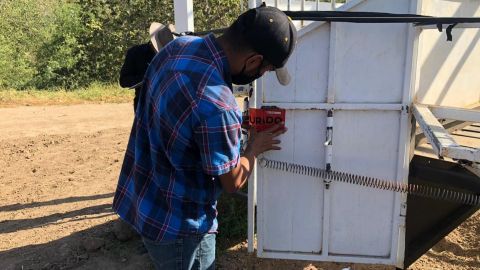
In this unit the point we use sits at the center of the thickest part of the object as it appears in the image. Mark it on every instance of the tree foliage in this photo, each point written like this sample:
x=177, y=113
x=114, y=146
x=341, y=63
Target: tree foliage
x=74, y=43
x=59, y=58
x=114, y=26
x=214, y=14
x=23, y=26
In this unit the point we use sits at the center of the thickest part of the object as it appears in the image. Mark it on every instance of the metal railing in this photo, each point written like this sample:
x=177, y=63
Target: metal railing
x=305, y=5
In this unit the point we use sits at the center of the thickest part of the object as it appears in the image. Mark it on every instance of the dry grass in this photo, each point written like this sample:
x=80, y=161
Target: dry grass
x=96, y=93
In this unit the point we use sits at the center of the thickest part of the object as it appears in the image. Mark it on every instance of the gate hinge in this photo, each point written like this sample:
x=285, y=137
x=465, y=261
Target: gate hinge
x=403, y=209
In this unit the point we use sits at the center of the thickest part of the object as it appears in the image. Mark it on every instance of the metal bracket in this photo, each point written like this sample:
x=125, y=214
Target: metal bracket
x=328, y=146
x=442, y=142
x=403, y=210
x=473, y=168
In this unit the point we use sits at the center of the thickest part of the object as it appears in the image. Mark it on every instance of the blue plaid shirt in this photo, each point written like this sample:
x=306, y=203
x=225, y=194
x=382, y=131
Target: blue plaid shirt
x=186, y=132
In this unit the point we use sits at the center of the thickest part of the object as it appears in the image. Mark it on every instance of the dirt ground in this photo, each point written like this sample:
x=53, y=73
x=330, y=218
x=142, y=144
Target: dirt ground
x=58, y=170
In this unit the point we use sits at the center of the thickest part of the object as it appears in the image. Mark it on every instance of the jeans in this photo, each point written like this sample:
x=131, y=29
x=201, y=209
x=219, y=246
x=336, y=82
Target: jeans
x=189, y=253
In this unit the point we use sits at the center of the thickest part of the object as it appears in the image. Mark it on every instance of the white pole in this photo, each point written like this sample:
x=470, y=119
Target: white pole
x=252, y=180
x=303, y=9
x=254, y=3
x=183, y=10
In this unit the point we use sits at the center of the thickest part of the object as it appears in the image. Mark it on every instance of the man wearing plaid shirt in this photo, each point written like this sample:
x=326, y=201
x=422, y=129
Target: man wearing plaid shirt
x=184, y=147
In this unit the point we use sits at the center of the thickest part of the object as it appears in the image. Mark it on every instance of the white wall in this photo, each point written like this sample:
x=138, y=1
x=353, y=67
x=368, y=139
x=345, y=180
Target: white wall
x=448, y=72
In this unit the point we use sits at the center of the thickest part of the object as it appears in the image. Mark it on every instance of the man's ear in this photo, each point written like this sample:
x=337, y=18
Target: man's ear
x=255, y=60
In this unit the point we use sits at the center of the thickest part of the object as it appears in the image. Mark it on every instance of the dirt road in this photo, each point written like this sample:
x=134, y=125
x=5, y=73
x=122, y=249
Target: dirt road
x=58, y=171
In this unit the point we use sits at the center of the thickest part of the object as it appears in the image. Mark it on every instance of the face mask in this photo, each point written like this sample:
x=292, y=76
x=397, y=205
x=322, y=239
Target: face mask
x=241, y=78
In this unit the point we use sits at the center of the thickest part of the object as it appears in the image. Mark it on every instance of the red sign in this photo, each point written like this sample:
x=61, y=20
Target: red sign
x=262, y=119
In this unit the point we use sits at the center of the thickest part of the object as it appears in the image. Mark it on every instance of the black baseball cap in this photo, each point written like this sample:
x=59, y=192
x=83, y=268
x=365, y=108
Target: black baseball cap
x=272, y=34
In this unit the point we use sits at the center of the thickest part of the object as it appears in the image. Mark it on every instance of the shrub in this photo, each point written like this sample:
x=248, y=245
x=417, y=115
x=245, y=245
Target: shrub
x=74, y=43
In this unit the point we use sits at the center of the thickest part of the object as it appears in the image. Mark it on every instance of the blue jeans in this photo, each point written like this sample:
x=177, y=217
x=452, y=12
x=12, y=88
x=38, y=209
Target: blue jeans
x=189, y=253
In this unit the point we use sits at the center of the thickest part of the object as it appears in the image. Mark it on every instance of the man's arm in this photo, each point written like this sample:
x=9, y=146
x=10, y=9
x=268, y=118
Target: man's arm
x=217, y=135
x=258, y=143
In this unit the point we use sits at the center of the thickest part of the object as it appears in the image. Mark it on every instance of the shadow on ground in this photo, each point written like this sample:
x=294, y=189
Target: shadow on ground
x=23, y=206
x=70, y=253
x=8, y=226
x=99, y=248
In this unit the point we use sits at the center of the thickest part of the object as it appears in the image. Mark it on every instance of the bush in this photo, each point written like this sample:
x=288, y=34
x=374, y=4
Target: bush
x=114, y=26
x=213, y=14
x=232, y=220
x=60, y=58
x=24, y=25
x=73, y=43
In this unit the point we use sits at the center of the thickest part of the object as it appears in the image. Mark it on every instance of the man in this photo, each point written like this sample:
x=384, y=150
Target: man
x=139, y=57
x=184, y=148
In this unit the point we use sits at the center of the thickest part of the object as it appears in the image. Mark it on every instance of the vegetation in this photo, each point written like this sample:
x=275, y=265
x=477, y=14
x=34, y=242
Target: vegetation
x=71, y=51
x=95, y=93
x=232, y=219
x=72, y=44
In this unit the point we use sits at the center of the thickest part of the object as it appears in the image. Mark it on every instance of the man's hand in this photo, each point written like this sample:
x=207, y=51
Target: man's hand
x=266, y=140
x=258, y=143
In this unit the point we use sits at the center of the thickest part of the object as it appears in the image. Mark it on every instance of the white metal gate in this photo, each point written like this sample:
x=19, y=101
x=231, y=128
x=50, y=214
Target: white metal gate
x=362, y=75
x=349, y=108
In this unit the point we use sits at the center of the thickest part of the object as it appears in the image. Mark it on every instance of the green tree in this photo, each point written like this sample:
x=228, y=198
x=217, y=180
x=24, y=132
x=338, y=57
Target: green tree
x=114, y=26
x=73, y=43
x=60, y=58
x=23, y=26
x=214, y=14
